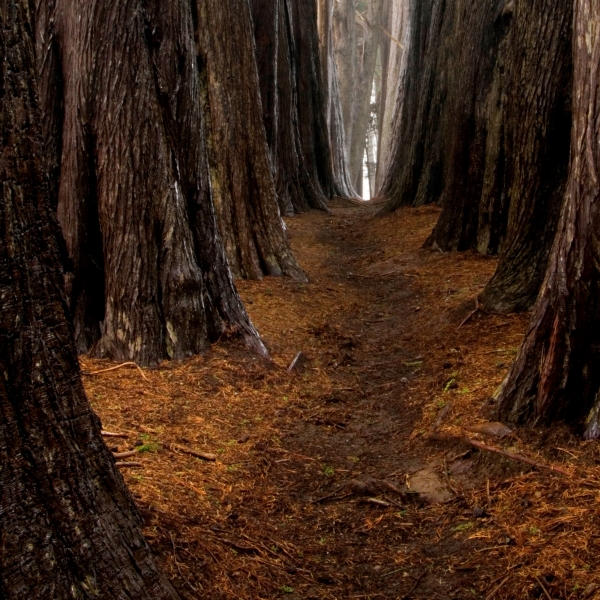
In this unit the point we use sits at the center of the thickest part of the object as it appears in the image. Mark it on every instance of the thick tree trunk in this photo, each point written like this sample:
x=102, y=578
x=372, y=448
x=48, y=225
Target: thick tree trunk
x=415, y=172
x=471, y=127
x=557, y=372
x=298, y=187
x=69, y=526
x=133, y=153
x=537, y=128
x=243, y=187
x=312, y=118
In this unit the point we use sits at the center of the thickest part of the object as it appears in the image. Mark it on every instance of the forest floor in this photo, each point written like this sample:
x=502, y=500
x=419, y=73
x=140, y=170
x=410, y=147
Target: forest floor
x=350, y=476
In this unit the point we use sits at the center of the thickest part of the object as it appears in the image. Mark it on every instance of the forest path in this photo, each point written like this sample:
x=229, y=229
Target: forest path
x=325, y=484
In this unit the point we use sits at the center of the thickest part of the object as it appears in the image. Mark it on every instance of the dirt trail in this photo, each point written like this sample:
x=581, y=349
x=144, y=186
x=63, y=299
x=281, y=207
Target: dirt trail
x=325, y=485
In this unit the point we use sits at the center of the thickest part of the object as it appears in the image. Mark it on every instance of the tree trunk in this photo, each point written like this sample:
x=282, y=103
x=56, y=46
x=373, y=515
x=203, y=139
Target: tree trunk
x=333, y=102
x=471, y=127
x=414, y=174
x=134, y=194
x=298, y=187
x=537, y=128
x=556, y=375
x=394, y=59
x=242, y=179
x=69, y=526
x=312, y=118
x=366, y=64
x=344, y=34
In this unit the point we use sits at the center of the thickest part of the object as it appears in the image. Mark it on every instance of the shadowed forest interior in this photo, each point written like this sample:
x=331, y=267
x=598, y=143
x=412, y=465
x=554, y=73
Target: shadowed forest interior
x=299, y=299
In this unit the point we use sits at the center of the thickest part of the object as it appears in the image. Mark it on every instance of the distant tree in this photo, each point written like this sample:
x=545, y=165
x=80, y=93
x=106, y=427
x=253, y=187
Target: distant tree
x=243, y=184
x=556, y=375
x=120, y=91
x=69, y=526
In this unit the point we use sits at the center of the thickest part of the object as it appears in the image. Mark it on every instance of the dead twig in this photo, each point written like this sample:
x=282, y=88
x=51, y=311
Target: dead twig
x=202, y=455
x=295, y=362
x=471, y=314
x=543, y=588
x=497, y=588
x=128, y=464
x=125, y=364
x=119, y=455
x=109, y=434
x=415, y=586
x=495, y=450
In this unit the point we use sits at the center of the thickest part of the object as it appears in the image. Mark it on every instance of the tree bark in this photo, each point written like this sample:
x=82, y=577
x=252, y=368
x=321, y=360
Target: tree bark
x=537, y=128
x=69, y=526
x=366, y=64
x=242, y=179
x=471, y=127
x=556, y=375
x=133, y=153
x=298, y=186
x=415, y=172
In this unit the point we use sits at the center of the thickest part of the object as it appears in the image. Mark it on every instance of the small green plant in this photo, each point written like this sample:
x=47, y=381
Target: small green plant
x=286, y=589
x=534, y=530
x=232, y=468
x=414, y=363
x=328, y=471
x=464, y=526
x=449, y=385
x=353, y=459
x=148, y=447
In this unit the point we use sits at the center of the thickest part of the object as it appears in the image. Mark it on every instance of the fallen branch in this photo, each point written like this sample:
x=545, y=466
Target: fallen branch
x=203, y=455
x=125, y=364
x=295, y=362
x=128, y=464
x=495, y=450
x=109, y=434
x=471, y=314
x=119, y=455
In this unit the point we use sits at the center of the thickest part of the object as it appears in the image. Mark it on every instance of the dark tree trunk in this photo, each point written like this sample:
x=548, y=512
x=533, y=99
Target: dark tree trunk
x=471, y=128
x=312, y=118
x=134, y=195
x=556, y=375
x=243, y=185
x=414, y=173
x=69, y=526
x=298, y=186
x=537, y=129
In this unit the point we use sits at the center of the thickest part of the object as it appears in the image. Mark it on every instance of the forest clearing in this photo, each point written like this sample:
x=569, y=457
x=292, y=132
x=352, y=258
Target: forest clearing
x=296, y=503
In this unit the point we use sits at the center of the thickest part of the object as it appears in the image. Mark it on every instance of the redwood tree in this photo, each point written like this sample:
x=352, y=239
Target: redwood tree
x=242, y=178
x=69, y=526
x=557, y=372
x=121, y=90
x=536, y=124
x=280, y=65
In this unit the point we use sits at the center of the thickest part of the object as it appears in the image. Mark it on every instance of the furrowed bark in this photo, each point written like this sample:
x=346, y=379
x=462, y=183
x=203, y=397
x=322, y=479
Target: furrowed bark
x=243, y=185
x=133, y=152
x=537, y=128
x=556, y=375
x=69, y=526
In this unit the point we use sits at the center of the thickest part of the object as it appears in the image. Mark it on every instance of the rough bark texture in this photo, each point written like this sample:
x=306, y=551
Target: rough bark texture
x=243, y=186
x=537, y=129
x=312, y=118
x=69, y=525
x=557, y=372
x=414, y=173
x=298, y=187
x=134, y=195
x=471, y=127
